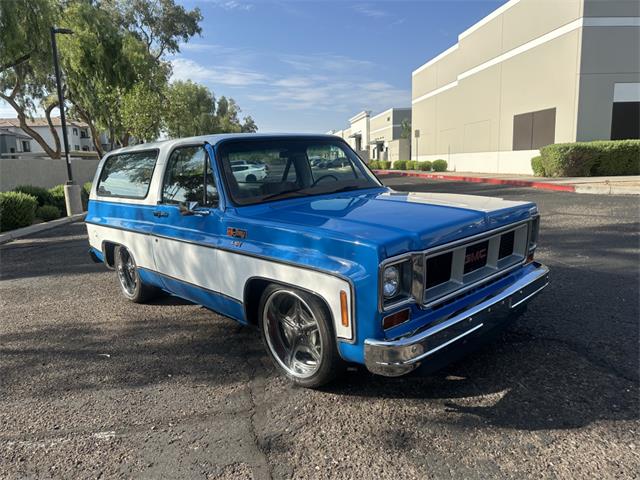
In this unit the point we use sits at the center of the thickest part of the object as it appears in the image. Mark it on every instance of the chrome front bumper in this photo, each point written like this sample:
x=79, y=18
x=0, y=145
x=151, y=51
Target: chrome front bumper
x=398, y=357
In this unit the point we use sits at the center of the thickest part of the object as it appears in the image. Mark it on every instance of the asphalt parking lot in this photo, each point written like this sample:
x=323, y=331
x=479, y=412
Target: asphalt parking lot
x=92, y=386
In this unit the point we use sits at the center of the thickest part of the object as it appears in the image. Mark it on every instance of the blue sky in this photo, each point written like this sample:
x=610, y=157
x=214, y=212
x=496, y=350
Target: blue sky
x=305, y=65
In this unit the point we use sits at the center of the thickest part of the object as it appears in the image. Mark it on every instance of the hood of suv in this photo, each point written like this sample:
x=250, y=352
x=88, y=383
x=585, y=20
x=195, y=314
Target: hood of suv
x=397, y=221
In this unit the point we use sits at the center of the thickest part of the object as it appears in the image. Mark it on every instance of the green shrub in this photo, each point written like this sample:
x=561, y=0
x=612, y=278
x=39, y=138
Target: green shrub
x=439, y=165
x=537, y=167
x=584, y=159
x=374, y=164
x=400, y=165
x=42, y=195
x=17, y=210
x=385, y=164
x=57, y=193
x=424, y=166
x=47, y=213
x=412, y=165
x=86, y=191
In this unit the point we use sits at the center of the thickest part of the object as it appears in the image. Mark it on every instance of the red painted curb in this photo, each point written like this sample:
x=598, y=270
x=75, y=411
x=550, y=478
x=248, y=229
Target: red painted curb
x=494, y=181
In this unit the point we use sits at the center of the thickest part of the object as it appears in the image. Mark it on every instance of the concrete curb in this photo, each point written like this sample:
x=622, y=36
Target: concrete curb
x=39, y=227
x=604, y=188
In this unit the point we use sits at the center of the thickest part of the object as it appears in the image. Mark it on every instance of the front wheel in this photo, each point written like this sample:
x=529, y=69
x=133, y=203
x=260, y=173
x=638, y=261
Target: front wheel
x=297, y=334
x=129, y=278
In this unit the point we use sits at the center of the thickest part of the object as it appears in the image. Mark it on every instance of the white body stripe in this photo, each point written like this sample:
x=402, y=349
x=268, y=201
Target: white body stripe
x=223, y=271
x=139, y=245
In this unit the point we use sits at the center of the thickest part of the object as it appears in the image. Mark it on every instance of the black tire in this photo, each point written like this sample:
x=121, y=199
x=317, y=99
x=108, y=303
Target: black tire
x=137, y=291
x=330, y=364
x=251, y=178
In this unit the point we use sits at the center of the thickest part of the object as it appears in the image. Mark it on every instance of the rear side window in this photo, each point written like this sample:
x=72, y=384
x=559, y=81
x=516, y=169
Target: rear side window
x=127, y=175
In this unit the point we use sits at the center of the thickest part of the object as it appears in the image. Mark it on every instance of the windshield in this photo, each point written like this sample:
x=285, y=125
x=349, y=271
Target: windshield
x=266, y=170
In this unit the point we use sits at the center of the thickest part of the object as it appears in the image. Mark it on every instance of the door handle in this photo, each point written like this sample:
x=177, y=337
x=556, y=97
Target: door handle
x=160, y=213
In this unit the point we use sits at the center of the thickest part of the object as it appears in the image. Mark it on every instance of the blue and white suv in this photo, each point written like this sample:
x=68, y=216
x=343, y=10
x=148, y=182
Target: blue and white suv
x=330, y=265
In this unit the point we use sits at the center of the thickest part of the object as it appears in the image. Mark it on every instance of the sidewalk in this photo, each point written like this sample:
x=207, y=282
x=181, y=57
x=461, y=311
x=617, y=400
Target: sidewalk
x=623, y=185
x=38, y=227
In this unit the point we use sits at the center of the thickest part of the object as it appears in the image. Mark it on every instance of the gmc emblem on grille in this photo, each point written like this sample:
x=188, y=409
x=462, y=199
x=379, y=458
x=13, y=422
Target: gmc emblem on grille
x=474, y=257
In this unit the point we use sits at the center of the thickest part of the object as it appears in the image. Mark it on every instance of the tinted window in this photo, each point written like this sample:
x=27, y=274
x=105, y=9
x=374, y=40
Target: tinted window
x=184, y=179
x=625, y=121
x=266, y=170
x=127, y=174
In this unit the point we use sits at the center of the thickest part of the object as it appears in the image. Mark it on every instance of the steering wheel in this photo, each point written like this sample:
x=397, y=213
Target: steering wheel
x=328, y=175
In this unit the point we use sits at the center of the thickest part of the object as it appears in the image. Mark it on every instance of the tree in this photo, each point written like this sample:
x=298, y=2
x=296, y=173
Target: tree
x=159, y=24
x=25, y=62
x=405, y=128
x=192, y=110
x=140, y=112
x=228, y=121
x=113, y=60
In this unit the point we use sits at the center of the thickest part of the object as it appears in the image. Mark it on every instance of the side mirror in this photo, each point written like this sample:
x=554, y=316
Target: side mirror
x=192, y=208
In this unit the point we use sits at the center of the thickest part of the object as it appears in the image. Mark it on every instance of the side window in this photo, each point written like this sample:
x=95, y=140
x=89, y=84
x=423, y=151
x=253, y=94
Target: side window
x=127, y=175
x=184, y=178
x=331, y=161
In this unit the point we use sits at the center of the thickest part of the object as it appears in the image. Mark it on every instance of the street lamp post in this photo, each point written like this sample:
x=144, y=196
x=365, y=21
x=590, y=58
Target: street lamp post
x=72, y=198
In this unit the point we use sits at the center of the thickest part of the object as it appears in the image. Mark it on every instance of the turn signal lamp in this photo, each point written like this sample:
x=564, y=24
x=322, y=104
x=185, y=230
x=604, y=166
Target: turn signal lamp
x=344, y=311
x=395, y=319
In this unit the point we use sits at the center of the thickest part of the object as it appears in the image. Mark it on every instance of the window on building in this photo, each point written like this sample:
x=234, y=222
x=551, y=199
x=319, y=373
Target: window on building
x=75, y=132
x=76, y=147
x=534, y=130
x=26, y=146
x=625, y=115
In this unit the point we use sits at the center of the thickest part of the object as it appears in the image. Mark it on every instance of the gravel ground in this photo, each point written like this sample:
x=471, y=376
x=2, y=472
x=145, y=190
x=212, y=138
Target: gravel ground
x=92, y=386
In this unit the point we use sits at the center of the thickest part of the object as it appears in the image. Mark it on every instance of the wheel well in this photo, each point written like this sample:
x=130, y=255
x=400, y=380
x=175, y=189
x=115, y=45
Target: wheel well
x=108, y=249
x=253, y=292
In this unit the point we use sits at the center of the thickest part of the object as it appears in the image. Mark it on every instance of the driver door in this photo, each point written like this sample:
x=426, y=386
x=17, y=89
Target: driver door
x=184, y=238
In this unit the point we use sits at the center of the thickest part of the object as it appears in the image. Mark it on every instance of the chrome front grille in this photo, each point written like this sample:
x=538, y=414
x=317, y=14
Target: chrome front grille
x=451, y=270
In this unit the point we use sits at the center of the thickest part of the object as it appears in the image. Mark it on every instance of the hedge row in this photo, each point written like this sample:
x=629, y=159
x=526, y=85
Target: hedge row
x=17, y=210
x=586, y=159
x=425, y=166
x=20, y=207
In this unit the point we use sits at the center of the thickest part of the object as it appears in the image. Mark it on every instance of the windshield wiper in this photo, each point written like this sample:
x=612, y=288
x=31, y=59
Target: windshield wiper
x=348, y=188
x=285, y=192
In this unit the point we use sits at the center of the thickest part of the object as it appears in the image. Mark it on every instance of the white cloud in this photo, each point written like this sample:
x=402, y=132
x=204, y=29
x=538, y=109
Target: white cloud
x=307, y=84
x=234, y=5
x=186, y=69
x=370, y=11
x=321, y=62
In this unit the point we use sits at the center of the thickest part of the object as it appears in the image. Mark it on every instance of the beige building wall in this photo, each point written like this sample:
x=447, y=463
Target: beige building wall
x=399, y=149
x=384, y=128
x=605, y=64
x=527, y=56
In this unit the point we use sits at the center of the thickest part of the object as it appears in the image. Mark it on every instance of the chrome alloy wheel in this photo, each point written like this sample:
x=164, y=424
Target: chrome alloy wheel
x=292, y=333
x=127, y=271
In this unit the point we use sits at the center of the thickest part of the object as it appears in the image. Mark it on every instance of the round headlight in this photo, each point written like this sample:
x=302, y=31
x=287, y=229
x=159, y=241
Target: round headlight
x=390, y=281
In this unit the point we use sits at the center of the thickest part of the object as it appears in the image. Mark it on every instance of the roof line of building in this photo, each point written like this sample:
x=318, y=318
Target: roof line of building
x=536, y=42
x=389, y=110
x=467, y=32
x=586, y=22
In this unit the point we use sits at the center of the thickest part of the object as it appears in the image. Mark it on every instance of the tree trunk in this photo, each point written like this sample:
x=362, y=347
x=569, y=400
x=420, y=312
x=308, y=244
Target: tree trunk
x=54, y=134
x=94, y=132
